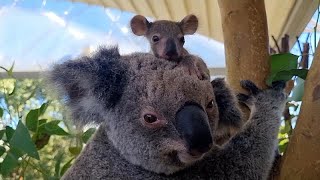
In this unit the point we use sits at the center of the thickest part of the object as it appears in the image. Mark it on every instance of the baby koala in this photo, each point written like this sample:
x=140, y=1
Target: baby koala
x=166, y=39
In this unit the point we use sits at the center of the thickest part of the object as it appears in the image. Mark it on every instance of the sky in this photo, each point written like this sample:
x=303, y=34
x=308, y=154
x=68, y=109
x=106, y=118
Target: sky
x=309, y=36
x=37, y=33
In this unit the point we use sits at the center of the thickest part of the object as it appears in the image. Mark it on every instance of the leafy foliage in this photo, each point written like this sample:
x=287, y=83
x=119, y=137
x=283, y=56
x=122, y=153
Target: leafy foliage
x=32, y=129
x=86, y=135
x=284, y=66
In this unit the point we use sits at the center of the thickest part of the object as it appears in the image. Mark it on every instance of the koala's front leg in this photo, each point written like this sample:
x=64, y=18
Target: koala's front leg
x=251, y=151
x=230, y=115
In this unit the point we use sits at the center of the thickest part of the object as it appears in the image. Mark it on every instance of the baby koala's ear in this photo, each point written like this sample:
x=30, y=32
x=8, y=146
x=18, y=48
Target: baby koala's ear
x=189, y=24
x=139, y=25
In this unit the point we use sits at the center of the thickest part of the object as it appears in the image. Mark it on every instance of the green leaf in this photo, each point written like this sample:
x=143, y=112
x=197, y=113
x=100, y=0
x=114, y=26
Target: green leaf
x=66, y=166
x=32, y=120
x=21, y=140
x=10, y=71
x=41, y=140
x=283, y=145
x=14, y=90
x=1, y=112
x=43, y=108
x=301, y=73
x=2, y=150
x=53, y=128
x=42, y=121
x=57, y=166
x=283, y=75
x=75, y=150
x=287, y=75
x=283, y=62
x=287, y=128
x=9, y=132
x=10, y=162
x=2, y=133
x=86, y=135
x=280, y=64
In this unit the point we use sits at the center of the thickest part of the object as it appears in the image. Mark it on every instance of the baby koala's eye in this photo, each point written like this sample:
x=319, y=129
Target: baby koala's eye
x=155, y=38
x=149, y=118
x=210, y=104
x=182, y=40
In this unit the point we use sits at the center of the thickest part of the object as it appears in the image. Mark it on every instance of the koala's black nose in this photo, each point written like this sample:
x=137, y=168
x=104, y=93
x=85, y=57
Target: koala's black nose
x=192, y=124
x=171, y=49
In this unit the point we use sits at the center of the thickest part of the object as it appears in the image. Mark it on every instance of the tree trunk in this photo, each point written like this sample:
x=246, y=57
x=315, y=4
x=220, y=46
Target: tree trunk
x=246, y=42
x=302, y=157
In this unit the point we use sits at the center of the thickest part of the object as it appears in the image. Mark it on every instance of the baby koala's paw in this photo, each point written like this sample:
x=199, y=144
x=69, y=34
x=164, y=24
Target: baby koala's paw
x=194, y=66
x=192, y=70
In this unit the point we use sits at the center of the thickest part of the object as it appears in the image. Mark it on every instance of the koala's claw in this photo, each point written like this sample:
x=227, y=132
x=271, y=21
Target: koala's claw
x=250, y=86
x=192, y=70
x=248, y=100
x=243, y=97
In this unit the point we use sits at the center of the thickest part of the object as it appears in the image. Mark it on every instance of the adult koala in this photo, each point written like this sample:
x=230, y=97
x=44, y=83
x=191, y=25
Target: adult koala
x=157, y=122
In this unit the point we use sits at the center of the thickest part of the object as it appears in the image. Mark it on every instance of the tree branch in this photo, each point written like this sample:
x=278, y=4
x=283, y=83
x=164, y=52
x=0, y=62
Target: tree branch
x=301, y=159
x=246, y=41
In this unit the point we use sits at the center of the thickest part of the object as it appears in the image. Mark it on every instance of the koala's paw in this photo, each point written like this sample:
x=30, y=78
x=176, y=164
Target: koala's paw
x=193, y=70
x=273, y=97
x=203, y=72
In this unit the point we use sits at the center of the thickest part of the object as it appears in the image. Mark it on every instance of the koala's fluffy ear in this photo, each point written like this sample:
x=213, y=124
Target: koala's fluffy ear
x=139, y=25
x=91, y=85
x=189, y=24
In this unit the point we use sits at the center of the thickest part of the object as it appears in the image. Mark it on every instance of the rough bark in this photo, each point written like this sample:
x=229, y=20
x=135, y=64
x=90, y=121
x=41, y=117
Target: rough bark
x=302, y=157
x=246, y=41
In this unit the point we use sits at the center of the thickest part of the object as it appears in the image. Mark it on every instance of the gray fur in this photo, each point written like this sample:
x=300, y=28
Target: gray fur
x=122, y=148
x=230, y=115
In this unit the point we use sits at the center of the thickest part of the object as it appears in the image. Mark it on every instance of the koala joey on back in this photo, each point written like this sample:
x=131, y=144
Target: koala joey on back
x=166, y=39
x=157, y=122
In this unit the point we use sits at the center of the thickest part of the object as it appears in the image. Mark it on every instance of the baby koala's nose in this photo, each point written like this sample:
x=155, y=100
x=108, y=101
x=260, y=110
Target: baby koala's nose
x=171, y=49
x=171, y=53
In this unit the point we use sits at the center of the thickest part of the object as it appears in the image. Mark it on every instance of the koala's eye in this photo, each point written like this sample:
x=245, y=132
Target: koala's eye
x=182, y=40
x=155, y=38
x=210, y=104
x=149, y=118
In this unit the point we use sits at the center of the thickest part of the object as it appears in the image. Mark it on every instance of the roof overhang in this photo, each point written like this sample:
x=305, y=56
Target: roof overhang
x=284, y=17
